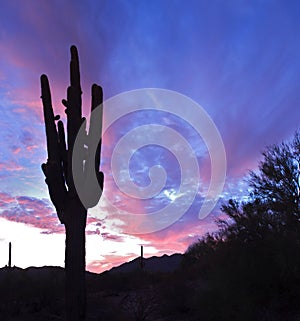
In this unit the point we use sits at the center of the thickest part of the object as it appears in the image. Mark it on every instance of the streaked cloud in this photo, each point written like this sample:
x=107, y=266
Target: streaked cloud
x=234, y=58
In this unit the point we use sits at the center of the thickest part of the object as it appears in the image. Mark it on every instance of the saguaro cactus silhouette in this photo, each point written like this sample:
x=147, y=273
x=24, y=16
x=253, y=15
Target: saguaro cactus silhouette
x=9, y=255
x=142, y=262
x=59, y=178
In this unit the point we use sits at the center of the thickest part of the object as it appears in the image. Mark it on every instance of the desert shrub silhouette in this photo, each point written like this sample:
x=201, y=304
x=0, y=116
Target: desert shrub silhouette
x=251, y=267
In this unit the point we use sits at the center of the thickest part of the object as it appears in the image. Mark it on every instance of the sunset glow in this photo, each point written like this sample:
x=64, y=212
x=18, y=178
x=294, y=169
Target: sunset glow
x=239, y=60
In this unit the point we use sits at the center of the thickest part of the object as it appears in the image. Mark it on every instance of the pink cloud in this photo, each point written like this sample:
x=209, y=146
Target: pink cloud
x=108, y=262
x=22, y=65
x=30, y=148
x=113, y=237
x=10, y=167
x=91, y=220
x=16, y=150
x=177, y=238
x=19, y=110
x=32, y=211
x=6, y=199
x=11, y=57
x=26, y=99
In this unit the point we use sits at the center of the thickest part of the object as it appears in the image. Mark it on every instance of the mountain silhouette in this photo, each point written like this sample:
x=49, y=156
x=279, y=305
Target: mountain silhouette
x=36, y=293
x=165, y=263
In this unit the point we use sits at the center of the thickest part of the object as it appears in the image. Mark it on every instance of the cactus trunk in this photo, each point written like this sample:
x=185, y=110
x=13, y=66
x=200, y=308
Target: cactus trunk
x=75, y=264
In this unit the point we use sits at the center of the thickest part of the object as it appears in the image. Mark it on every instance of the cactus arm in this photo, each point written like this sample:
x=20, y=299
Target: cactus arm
x=97, y=102
x=74, y=101
x=73, y=105
x=51, y=133
x=52, y=169
x=92, y=175
x=63, y=148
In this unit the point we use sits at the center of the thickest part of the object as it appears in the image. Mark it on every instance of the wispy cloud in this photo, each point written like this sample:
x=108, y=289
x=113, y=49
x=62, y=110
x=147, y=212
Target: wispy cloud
x=10, y=167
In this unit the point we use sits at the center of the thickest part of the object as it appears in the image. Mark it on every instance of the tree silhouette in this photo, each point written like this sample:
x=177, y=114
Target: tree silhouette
x=251, y=266
x=274, y=199
x=278, y=182
x=59, y=178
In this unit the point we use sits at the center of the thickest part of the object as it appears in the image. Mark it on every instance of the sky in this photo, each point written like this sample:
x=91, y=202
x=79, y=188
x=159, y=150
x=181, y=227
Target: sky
x=237, y=59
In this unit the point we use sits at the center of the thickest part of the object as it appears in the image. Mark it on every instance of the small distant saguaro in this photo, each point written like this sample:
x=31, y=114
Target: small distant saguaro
x=142, y=263
x=9, y=255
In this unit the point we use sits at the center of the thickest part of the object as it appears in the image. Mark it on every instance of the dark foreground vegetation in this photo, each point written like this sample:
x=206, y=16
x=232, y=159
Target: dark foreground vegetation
x=248, y=270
